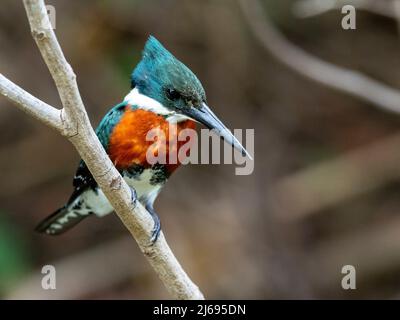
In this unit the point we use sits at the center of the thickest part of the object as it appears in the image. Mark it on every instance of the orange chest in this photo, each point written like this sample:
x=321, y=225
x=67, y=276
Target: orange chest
x=130, y=141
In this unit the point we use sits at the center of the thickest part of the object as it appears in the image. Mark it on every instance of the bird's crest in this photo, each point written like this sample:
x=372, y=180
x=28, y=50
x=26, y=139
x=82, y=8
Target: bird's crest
x=153, y=49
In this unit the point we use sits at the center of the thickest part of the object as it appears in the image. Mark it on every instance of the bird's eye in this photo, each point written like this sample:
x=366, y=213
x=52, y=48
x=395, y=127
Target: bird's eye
x=172, y=94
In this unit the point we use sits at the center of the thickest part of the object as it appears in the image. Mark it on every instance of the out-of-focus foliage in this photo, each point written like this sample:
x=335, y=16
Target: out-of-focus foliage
x=14, y=258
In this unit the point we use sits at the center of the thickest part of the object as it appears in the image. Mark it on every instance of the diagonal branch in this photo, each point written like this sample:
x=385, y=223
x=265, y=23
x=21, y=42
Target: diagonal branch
x=314, y=68
x=75, y=125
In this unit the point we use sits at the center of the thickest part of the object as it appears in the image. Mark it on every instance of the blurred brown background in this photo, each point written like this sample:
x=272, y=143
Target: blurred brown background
x=324, y=192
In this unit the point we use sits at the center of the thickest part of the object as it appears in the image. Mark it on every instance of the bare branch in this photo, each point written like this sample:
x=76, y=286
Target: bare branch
x=79, y=131
x=311, y=8
x=348, y=81
x=31, y=105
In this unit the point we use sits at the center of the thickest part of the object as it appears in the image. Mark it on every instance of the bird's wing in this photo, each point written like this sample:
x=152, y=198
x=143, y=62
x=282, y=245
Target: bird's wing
x=108, y=123
x=83, y=179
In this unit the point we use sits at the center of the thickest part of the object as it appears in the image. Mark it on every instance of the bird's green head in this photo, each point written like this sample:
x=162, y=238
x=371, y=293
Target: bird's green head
x=161, y=76
x=175, y=89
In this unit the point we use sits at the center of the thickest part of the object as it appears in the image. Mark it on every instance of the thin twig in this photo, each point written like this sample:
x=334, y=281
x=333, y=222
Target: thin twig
x=31, y=105
x=77, y=128
x=345, y=80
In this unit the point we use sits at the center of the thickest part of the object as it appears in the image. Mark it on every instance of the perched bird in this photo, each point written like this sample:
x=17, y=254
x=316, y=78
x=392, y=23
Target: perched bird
x=164, y=93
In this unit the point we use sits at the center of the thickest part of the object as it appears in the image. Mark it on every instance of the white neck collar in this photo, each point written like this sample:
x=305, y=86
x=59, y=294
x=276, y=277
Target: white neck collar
x=134, y=97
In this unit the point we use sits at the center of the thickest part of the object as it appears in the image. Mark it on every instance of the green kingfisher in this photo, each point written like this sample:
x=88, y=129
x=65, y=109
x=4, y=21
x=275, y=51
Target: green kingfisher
x=164, y=93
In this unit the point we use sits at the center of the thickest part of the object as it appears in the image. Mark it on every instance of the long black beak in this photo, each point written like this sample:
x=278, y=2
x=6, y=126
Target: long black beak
x=205, y=116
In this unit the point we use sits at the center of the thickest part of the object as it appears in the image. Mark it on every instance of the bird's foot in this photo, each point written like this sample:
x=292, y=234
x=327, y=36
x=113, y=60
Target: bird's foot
x=157, y=225
x=133, y=197
x=155, y=232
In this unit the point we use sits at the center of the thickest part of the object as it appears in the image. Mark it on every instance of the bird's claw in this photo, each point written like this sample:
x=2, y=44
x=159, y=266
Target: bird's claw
x=155, y=232
x=157, y=225
x=133, y=196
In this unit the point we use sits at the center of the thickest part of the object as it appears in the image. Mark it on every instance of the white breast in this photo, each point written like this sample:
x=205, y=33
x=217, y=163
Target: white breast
x=97, y=202
x=99, y=205
x=145, y=191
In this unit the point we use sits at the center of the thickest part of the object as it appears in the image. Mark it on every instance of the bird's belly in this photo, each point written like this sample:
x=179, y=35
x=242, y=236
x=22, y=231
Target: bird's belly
x=94, y=201
x=146, y=186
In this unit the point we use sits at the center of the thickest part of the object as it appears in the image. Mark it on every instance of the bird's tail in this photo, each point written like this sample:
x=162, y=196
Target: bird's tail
x=61, y=220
